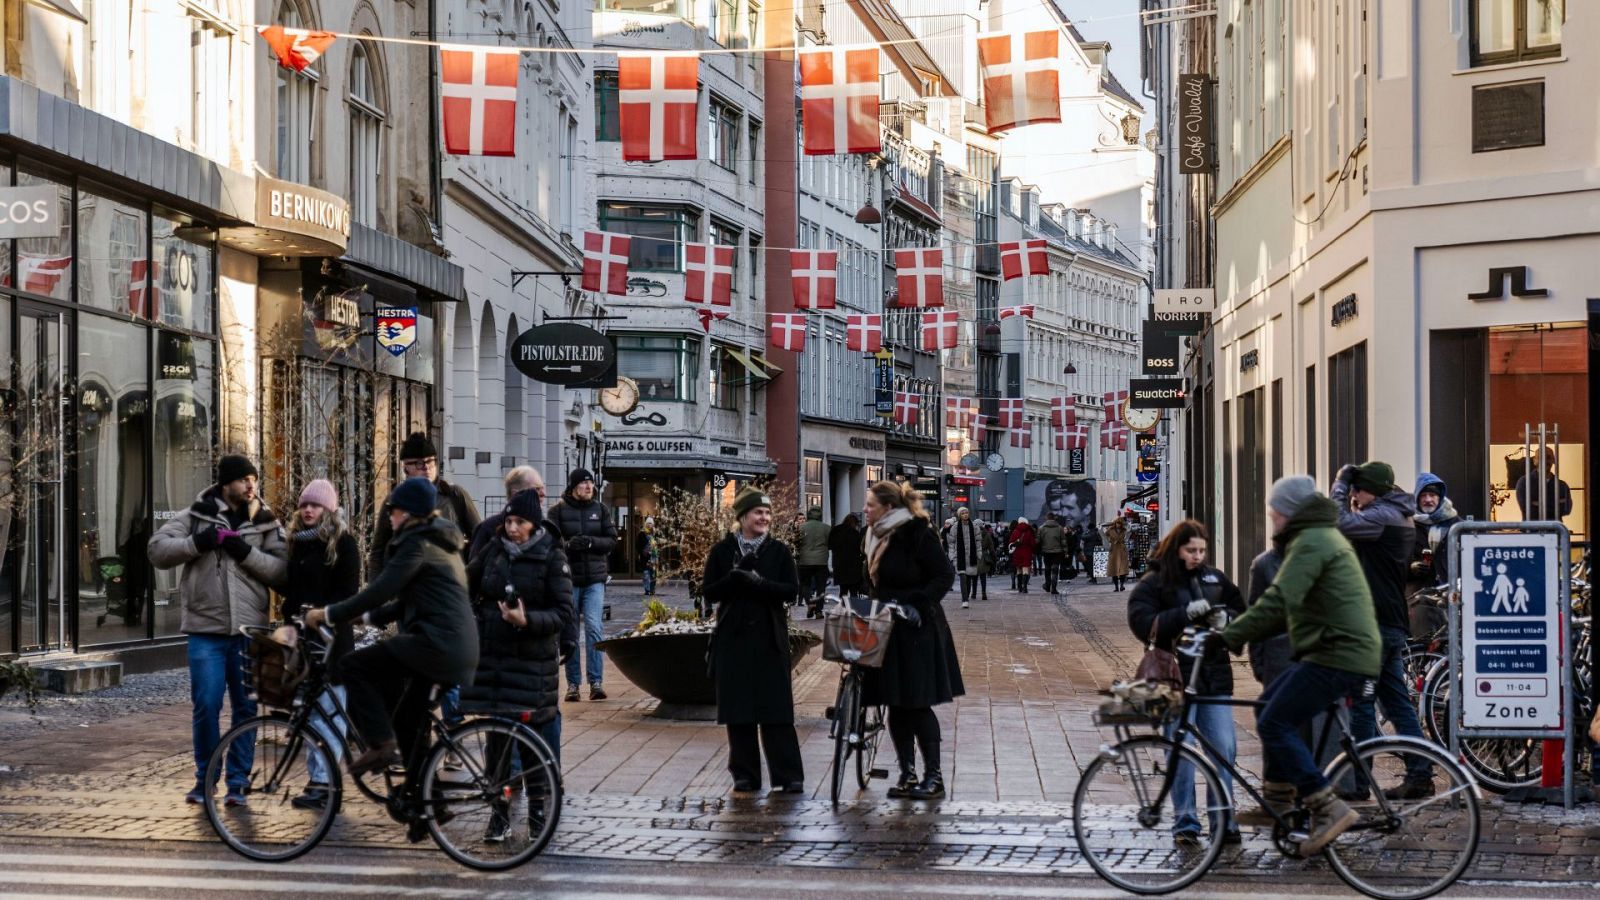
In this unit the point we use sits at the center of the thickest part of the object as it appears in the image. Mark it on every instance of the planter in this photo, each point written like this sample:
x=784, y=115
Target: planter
x=672, y=667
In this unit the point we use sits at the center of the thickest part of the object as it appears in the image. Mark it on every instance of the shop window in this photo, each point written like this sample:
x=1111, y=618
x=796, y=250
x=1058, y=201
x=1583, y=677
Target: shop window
x=366, y=126
x=659, y=233
x=1347, y=408
x=44, y=264
x=185, y=426
x=10, y=551
x=666, y=367
x=111, y=244
x=1251, y=460
x=184, y=277
x=1538, y=378
x=297, y=92
x=607, y=125
x=1512, y=30
x=1311, y=421
x=1278, y=432
x=814, y=482
x=725, y=121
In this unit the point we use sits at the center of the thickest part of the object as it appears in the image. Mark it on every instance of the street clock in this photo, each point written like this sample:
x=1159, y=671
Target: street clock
x=622, y=399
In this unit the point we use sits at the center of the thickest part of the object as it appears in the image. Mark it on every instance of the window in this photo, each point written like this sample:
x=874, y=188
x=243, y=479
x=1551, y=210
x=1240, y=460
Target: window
x=755, y=151
x=677, y=8
x=182, y=279
x=725, y=21
x=727, y=379
x=606, y=121
x=297, y=93
x=755, y=264
x=366, y=122
x=724, y=134
x=659, y=233
x=210, y=62
x=111, y=243
x=727, y=236
x=752, y=25
x=44, y=264
x=1511, y=30
x=1347, y=407
x=666, y=367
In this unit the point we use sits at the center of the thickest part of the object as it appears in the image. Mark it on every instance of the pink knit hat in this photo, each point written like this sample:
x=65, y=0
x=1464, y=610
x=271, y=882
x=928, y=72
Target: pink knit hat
x=322, y=493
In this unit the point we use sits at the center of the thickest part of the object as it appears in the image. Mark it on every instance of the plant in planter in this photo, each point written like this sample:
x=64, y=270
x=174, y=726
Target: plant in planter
x=665, y=654
x=14, y=674
x=688, y=525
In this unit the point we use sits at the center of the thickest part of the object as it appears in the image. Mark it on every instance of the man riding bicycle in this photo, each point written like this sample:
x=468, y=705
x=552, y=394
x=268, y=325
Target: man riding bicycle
x=1320, y=598
x=438, y=640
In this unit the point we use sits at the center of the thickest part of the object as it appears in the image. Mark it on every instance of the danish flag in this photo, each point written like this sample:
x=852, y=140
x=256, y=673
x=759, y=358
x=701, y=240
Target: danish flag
x=1114, y=436
x=1022, y=438
x=957, y=410
x=1063, y=411
x=706, y=317
x=296, y=48
x=658, y=96
x=1025, y=311
x=138, y=297
x=478, y=100
x=939, y=330
x=814, y=275
x=1073, y=437
x=1019, y=258
x=839, y=99
x=980, y=424
x=1112, y=401
x=1010, y=413
x=789, y=331
x=864, y=333
x=919, y=277
x=42, y=274
x=1021, y=78
x=906, y=407
x=708, y=274
x=605, y=262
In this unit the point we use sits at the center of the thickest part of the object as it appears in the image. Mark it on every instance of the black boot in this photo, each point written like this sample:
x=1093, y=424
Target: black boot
x=930, y=788
x=907, y=783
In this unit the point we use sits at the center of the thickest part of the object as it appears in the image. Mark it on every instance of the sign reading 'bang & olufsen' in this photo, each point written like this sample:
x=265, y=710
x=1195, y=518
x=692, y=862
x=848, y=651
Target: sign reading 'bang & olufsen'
x=1197, y=141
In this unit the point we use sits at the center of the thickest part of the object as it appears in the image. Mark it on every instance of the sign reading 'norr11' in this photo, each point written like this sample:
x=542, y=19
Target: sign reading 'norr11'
x=1186, y=300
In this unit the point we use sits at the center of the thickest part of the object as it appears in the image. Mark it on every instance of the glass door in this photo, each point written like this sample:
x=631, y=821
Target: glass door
x=1538, y=378
x=42, y=396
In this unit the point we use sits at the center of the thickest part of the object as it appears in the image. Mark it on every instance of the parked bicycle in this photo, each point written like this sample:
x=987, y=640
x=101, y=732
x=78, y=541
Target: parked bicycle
x=856, y=635
x=1123, y=811
x=488, y=790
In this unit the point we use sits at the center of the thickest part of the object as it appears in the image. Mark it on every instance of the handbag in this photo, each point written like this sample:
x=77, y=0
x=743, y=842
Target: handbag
x=1159, y=666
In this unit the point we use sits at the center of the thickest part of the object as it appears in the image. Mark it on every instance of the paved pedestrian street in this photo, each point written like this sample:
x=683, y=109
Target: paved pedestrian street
x=642, y=788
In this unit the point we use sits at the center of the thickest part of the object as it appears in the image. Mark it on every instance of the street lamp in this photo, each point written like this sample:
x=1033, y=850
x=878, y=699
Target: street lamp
x=868, y=214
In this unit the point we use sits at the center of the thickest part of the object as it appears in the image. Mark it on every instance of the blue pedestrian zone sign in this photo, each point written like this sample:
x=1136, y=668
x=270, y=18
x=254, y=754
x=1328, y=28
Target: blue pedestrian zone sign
x=1511, y=658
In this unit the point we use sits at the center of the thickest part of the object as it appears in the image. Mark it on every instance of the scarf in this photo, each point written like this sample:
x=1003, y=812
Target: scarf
x=515, y=550
x=748, y=546
x=878, y=538
x=1444, y=512
x=306, y=534
x=965, y=536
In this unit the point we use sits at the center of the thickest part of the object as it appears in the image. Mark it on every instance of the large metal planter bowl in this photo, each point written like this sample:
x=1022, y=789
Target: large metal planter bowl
x=672, y=667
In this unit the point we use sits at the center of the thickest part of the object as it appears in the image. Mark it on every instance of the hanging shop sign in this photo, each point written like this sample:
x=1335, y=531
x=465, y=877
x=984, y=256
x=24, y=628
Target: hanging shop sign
x=1160, y=352
x=1155, y=393
x=1076, y=461
x=30, y=212
x=294, y=220
x=1147, y=466
x=1182, y=324
x=1197, y=141
x=1186, y=300
x=397, y=328
x=883, y=382
x=563, y=353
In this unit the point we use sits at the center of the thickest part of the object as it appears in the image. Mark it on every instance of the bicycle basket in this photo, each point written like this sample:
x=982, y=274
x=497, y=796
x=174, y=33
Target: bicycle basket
x=851, y=637
x=1137, y=703
x=275, y=665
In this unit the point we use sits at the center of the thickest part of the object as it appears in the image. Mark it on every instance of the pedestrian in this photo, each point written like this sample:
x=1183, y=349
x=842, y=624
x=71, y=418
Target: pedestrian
x=1117, y=559
x=905, y=564
x=232, y=550
x=1271, y=657
x=988, y=553
x=590, y=534
x=519, y=479
x=1436, y=515
x=419, y=459
x=1088, y=546
x=849, y=566
x=812, y=557
x=324, y=568
x=521, y=591
x=1052, y=544
x=1555, y=503
x=1375, y=516
x=1320, y=598
x=648, y=556
x=751, y=580
x=1181, y=590
x=1021, y=545
x=965, y=551
x=1072, y=540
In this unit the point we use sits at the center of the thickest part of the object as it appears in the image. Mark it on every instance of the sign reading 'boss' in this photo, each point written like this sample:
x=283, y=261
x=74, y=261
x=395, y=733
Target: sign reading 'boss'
x=30, y=212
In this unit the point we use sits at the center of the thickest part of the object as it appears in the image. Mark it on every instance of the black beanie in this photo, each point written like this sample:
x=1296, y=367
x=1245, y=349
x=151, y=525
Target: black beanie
x=418, y=446
x=577, y=477
x=525, y=505
x=233, y=468
x=416, y=496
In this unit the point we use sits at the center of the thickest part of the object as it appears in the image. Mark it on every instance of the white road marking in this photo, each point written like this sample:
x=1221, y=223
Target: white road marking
x=8, y=860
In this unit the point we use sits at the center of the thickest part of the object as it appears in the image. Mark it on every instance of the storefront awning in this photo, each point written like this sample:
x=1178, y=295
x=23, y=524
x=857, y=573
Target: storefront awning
x=763, y=363
x=757, y=373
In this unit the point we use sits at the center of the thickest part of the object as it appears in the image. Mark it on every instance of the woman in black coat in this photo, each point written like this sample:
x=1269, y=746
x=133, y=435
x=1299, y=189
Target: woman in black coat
x=751, y=579
x=907, y=564
x=849, y=566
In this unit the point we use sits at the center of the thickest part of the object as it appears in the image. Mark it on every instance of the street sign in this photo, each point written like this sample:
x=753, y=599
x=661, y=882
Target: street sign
x=563, y=353
x=1169, y=300
x=883, y=382
x=1155, y=393
x=1160, y=351
x=1512, y=610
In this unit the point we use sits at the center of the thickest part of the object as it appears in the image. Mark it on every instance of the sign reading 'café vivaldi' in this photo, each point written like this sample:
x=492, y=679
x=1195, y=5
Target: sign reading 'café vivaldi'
x=1197, y=141
x=563, y=353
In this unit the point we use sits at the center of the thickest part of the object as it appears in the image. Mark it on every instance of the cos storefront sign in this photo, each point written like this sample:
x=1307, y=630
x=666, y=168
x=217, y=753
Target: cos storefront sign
x=567, y=354
x=30, y=212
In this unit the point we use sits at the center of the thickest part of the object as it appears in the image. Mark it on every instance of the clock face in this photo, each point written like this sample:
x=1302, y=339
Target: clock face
x=622, y=399
x=995, y=462
x=1141, y=419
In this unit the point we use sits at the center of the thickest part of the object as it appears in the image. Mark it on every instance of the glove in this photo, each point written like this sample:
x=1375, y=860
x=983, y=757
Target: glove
x=1218, y=620
x=580, y=544
x=1197, y=610
x=911, y=617
x=748, y=562
x=1347, y=473
x=567, y=649
x=207, y=541
x=236, y=547
x=745, y=577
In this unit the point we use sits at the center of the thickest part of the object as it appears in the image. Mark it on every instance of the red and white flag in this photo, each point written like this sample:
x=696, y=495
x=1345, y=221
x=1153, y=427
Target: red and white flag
x=939, y=330
x=839, y=100
x=707, y=316
x=43, y=274
x=138, y=297
x=980, y=425
x=957, y=412
x=1114, y=436
x=1022, y=438
x=1112, y=402
x=1021, y=74
x=1073, y=437
x=1025, y=311
x=605, y=262
x=864, y=333
x=708, y=274
x=1010, y=413
x=907, y=405
x=478, y=100
x=814, y=275
x=1063, y=411
x=296, y=48
x=788, y=331
x=1020, y=258
x=919, y=277
x=658, y=98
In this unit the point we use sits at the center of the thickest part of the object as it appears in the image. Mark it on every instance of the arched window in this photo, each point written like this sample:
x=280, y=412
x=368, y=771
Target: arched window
x=297, y=94
x=366, y=127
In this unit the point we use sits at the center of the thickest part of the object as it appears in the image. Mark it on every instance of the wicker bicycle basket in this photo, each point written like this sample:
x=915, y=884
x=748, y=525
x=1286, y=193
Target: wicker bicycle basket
x=849, y=636
x=274, y=666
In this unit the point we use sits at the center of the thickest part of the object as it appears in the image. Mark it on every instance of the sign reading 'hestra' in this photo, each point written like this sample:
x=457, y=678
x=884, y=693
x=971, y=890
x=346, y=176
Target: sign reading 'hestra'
x=562, y=353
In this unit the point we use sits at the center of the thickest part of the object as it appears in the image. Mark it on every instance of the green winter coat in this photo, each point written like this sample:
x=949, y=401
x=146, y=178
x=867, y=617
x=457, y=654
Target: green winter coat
x=813, y=543
x=1319, y=597
x=1052, y=538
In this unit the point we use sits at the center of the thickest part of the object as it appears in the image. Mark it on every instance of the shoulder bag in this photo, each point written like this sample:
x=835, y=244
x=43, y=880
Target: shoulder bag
x=1159, y=666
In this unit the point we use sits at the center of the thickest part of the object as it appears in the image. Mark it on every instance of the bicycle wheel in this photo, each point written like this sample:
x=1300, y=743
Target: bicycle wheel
x=274, y=764
x=1499, y=764
x=500, y=808
x=844, y=721
x=871, y=736
x=1124, y=816
x=1406, y=849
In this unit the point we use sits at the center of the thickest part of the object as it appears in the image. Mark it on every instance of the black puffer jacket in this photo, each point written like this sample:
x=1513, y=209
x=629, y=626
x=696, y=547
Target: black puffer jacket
x=1156, y=601
x=519, y=669
x=313, y=583
x=1383, y=535
x=590, y=535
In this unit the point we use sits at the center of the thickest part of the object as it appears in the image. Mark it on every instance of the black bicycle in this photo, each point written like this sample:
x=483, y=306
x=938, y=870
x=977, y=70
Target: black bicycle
x=488, y=790
x=856, y=642
x=1124, y=810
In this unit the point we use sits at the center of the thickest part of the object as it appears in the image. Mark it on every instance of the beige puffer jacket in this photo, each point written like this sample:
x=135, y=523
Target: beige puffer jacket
x=219, y=595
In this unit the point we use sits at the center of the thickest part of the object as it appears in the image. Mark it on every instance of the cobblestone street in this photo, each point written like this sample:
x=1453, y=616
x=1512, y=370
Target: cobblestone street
x=646, y=788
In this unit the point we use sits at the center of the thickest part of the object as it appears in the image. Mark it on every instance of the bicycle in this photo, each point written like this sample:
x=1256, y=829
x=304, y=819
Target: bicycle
x=492, y=787
x=857, y=642
x=1123, y=810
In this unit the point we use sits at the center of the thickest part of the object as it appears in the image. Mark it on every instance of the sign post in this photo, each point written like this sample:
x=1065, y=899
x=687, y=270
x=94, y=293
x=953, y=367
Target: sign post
x=1510, y=658
x=883, y=382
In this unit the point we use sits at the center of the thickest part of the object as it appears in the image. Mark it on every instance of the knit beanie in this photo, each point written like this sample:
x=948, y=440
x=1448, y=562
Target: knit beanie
x=233, y=468
x=1291, y=492
x=525, y=505
x=418, y=446
x=322, y=493
x=577, y=477
x=1374, y=477
x=748, y=499
x=416, y=496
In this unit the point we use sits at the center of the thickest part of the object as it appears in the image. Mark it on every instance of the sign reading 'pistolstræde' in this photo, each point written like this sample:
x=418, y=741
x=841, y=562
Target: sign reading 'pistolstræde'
x=562, y=353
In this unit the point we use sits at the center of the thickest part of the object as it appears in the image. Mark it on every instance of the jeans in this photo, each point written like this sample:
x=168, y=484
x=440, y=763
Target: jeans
x=333, y=734
x=1052, y=570
x=591, y=603
x=216, y=666
x=1293, y=699
x=1215, y=721
x=1396, y=699
x=649, y=579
